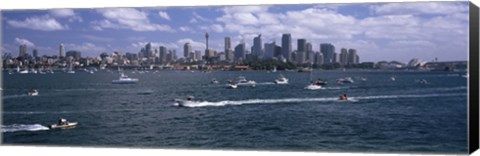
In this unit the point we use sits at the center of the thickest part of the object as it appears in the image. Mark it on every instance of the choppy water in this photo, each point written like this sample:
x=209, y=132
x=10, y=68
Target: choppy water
x=381, y=115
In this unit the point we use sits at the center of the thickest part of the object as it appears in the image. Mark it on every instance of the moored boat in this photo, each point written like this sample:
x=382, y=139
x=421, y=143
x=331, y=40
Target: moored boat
x=124, y=79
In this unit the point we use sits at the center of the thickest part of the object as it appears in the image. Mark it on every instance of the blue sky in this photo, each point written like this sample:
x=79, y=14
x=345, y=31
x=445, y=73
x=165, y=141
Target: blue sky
x=379, y=31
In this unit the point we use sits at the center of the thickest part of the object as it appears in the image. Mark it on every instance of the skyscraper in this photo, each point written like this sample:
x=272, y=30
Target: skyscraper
x=257, y=46
x=343, y=56
x=148, y=50
x=62, y=50
x=302, y=45
x=22, y=50
x=328, y=51
x=198, y=55
x=35, y=53
x=187, y=48
x=352, y=56
x=228, y=44
x=206, y=39
x=240, y=52
x=270, y=50
x=286, y=46
x=163, y=54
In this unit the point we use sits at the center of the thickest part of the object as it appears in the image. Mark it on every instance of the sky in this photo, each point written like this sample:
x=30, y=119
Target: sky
x=378, y=31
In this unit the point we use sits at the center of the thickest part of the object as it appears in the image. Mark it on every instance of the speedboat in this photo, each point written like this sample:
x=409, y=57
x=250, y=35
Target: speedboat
x=422, y=81
x=124, y=79
x=214, y=81
x=314, y=86
x=243, y=81
x=232, y=85
x=63, y=126
x=32, y=92
x=392, y=78
x=183, y=102
x=281, y=80
x=345, y=80
x=320, y=82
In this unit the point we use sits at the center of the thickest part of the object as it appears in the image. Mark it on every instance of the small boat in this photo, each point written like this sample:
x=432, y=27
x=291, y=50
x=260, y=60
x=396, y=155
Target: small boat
x=363, y=78
x=182, y=102
x=281, y=80
x=63, y=126
x=320, y=82
x=214, y=81
x=314, y=86
x=232, y=85
x=124, y=79
x=422, y=81
x=23, y=72
x=242, y=81
x=345, y=80
x=32, y=92
x=392, y=78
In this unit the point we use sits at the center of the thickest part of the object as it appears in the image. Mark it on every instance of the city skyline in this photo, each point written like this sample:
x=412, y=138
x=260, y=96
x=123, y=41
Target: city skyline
x=377, y=31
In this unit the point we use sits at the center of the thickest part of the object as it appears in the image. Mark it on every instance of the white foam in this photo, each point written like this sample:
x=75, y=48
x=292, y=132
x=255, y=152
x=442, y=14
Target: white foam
x=298, y=100
x=22, y=127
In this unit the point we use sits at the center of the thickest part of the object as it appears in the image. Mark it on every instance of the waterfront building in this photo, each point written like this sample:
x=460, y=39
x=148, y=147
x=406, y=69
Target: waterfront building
x=61, y=50
x=352, y=56
x=343, y=56
x=257, y=47
x=328, y=51
x=287, y=46
x=187, y=48
x=240, y=52
x=22, y=50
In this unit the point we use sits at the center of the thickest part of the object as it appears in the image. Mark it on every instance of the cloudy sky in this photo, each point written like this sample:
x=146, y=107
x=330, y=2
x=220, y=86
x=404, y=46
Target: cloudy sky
x=379, y=31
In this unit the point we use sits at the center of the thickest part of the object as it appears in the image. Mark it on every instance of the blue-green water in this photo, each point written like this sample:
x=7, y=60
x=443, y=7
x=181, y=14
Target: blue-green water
x=382, y=115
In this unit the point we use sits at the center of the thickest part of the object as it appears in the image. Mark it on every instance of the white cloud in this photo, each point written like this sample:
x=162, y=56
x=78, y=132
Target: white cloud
x=421, y=8
x=186, y=29
x=196, y=18
x=164, y=15
x=97, y=38
x=21, y=41
x=43, y=23
x=215, y=28
x=66, y=13
x=196, y=45
x=128, y=18
x=193, y=20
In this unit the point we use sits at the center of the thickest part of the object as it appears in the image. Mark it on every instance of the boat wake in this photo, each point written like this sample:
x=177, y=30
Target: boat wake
x=14, y=96
x=22, y=127
x=299, y=100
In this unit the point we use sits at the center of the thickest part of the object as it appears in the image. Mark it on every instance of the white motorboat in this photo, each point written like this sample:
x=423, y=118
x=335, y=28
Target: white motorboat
x=242, y=81
x=32, y=92
x=23, y=72
x=124, y=79
x=281, y=80
x=214, y=81
x=392, y=78
x=63, y=126
x=232, y=85
x=345, y=80
x=314, y=86
x=184, y=102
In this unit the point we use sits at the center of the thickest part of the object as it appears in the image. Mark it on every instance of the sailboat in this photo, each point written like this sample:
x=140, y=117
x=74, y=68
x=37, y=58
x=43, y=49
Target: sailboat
x=70, y=70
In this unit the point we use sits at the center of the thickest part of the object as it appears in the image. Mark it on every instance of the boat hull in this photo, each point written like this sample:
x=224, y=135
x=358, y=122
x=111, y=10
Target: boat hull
x=69, y=125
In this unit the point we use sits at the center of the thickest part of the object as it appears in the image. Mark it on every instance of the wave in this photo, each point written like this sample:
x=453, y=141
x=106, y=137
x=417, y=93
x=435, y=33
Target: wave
x=13, y=96
x=299, y=100
x=22, y=127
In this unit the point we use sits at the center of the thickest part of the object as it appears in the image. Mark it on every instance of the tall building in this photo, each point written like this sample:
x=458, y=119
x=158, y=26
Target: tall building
x=206, y=39
x=228, y=44
x=319, y=58
x=301, y=45
x=61, y=50
x=257, y=46
x=35, y=53
x=240, y=52
x=198, y=55
x=22, y=50
x=148, y=50
x=352, y=56
x=270, y=50
x=310, y=54
x=163, y=54
x=287, y=46
x=328, y=51
x=336, y=57
x=187, y=48
x=343, y=56
x=75, y=54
